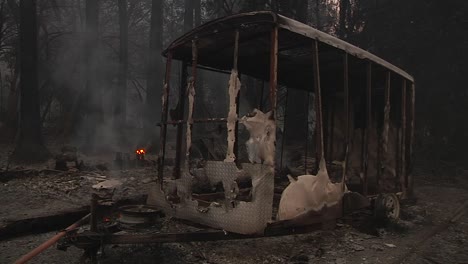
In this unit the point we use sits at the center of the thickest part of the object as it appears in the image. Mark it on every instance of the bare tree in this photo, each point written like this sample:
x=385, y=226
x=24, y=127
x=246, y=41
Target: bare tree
x=120, y=108
x=188, y=15
x=154, y=80
x=92, y=108
x=29, y=144
x=344, y=7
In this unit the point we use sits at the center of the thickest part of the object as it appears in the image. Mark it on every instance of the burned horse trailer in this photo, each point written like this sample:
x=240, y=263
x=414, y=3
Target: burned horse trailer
x=301, y=129
x=332, y=127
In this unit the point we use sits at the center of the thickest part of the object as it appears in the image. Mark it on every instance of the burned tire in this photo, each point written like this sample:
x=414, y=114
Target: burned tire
x=387, y=207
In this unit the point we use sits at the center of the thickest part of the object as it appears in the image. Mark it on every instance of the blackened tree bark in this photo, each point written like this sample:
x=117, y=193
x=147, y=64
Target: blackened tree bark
x=301, y=8
x=344, y=7
x=317, y=15
x=197, y=8
x=120, y=108
x=92, y=107
x=29, y=145
x=154, y=80
x=188, y=15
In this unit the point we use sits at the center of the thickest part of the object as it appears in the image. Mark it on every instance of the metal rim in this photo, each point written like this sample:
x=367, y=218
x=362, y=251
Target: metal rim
x=387, y=206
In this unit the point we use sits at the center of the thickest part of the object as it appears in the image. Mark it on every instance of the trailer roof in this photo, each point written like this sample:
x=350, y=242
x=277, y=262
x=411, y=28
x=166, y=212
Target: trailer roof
x=215, y=43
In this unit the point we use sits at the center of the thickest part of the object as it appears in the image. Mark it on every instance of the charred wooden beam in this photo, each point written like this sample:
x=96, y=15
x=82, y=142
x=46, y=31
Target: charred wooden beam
x=165, y=106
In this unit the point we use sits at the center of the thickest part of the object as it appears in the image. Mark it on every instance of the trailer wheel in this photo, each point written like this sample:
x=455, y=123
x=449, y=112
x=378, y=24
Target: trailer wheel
x=387, y=207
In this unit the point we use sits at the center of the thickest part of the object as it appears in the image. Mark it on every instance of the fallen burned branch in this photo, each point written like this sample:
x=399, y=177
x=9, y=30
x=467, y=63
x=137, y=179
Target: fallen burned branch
x=55, y=221
x=41, y=224
x=51, y=241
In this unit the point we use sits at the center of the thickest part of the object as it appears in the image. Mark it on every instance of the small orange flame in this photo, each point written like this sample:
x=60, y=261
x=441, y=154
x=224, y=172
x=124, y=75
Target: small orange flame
x=140, y=151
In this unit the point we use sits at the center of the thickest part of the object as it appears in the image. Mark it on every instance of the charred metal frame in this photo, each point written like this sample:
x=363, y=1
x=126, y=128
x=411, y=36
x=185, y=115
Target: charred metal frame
x=187, y=89
x=403, y=140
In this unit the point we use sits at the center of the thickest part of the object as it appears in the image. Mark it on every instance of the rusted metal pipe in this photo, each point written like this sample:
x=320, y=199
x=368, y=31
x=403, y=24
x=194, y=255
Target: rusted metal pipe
x=236, y=127
x=273, y=68
x=191, y=102
x=365, y=156
x=51, y=241
x=180, y=116
x=165, y=108
x=403, y=179
x=318, y=105
x=346, y=109
x=409, y=171
x=384, y=158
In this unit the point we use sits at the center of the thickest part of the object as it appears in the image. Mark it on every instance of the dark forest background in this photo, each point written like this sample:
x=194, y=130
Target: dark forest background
x=89, y=72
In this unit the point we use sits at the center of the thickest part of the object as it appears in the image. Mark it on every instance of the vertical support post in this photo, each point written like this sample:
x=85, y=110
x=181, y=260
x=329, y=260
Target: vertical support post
x=273, y=68
x=383, y=160
x=307, y=133
x=365, y=161
x=93, y=226
x=232, y=120
x=318, y=105
x=331, y=121
x=165, y=106
x=403, y=138
x=234, y=66
x=409, y=170
x=346, y=109
x=191, y=98
x=180, y=116
x=285, y=128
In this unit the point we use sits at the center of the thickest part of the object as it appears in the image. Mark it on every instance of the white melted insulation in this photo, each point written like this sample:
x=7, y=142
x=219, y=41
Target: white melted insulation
x=310, y=195
x=234, y=88
x=261, y=144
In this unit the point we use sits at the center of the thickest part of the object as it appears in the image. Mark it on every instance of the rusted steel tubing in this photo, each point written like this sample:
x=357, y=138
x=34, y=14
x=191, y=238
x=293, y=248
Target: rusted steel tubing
x=51, y=241
x=365, y=156
x=403, y=179
x=383, y=160
x=234, y=66
x=318, y=104
x=409, y=171
x=273, y=67
x=191, y=102
x=346, y=107
x=180, y=116
x=203, y=120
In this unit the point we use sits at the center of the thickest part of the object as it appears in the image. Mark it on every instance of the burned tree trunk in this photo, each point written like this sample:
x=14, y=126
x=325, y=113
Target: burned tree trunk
x=188, y=15
x=154, y=80
x=92, y=108
x=29, y=145
x=301, y=10
x=120, y=108
x=344, y=6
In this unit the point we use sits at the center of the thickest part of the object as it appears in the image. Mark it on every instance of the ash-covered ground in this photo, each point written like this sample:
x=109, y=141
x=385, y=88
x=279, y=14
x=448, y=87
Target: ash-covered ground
x=419, y=237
